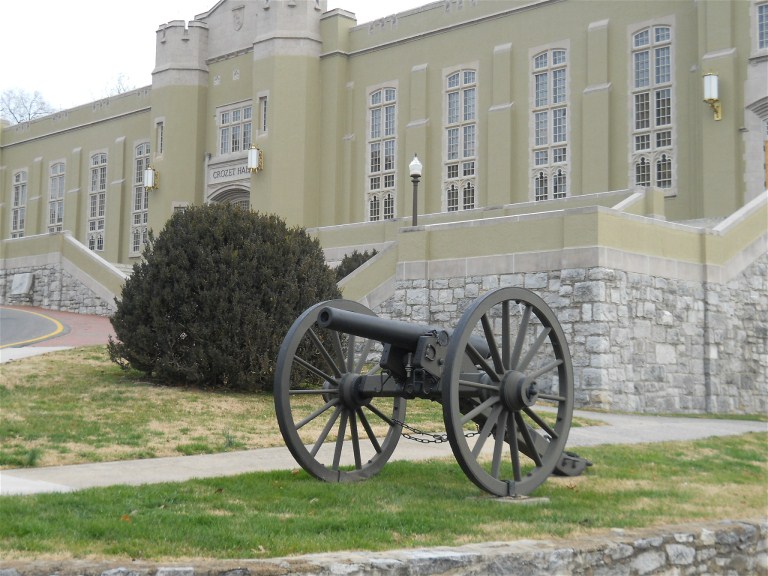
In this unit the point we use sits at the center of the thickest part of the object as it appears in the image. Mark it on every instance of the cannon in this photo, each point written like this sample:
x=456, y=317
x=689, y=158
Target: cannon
x=503, y=377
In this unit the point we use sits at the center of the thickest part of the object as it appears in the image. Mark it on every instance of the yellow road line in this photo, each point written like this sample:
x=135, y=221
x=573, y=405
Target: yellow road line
x=59, y=329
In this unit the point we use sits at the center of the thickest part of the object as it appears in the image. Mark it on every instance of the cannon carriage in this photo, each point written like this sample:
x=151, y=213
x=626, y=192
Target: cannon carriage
x=503, y=377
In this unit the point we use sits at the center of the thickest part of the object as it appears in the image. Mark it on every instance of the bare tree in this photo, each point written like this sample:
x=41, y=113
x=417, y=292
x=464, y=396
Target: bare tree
x=17, y=105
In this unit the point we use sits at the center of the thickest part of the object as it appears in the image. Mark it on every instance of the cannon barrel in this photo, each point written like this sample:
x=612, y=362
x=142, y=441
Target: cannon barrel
x=394, y=332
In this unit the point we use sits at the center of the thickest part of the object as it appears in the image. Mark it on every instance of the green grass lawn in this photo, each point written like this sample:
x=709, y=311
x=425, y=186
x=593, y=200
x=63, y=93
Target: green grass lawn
x=406, y=505
x=77, y=407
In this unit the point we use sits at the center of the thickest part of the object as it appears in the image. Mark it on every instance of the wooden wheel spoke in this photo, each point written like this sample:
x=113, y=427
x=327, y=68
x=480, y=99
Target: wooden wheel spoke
x=525, y=431
x=498, y=447
x=369, y=430
x=514, y=449
x=479, y=385
x=543, y=425
x=324, y=353
x=350, y=361
x=316, y=413
x=534, y=348
x=477, y=358
x=478, y=409
x=498, y=364
x=326, y=430
x=381, y=415
x=520, y=338
x=358, y=368
x=315, y=370
x=543, y=370
x=337, y=348
x=486, y=430
x=552, y=397
x=355, y=440
x=340, y=440
x=505, y=335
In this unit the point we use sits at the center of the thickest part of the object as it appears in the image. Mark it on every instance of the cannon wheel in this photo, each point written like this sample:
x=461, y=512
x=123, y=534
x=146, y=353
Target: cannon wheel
x=521, y=393
x=316, y=405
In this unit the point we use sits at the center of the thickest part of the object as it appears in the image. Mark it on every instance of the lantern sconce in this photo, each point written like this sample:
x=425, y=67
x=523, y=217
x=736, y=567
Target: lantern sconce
x=711, y=96
x=255, y=159
x=151, y=179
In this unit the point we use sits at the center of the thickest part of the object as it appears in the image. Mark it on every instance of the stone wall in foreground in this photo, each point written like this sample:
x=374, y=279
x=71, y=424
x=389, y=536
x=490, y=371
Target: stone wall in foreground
x=639, y=342
x=733, y=548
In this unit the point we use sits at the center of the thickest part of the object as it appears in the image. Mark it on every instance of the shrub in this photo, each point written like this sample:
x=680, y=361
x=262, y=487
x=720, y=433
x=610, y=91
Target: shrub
x=352, y=262
x=215, y=294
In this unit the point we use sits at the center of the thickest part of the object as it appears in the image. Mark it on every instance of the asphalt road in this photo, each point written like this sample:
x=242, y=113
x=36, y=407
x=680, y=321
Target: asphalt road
x=23, y=327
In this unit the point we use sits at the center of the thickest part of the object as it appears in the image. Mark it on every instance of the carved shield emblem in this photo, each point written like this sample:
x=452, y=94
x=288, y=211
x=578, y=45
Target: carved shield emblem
x=238, y=15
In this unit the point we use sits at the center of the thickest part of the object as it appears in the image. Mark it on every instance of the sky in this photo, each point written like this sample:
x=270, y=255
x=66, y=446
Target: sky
x=77, y=51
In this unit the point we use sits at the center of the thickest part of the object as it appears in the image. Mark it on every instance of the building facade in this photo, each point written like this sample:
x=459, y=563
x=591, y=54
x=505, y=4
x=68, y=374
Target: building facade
x=504, y=101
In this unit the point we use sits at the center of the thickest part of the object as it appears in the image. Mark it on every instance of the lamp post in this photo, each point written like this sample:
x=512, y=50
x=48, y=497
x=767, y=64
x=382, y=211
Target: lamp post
x=415, y=170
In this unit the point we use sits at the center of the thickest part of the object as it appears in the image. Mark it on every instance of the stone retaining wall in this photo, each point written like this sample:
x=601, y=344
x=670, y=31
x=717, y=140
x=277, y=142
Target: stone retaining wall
x=55, y=289
x=733, y=548
x=639, y=342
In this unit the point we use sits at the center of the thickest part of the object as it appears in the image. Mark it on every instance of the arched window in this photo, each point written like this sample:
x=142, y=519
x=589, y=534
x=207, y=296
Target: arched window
x=373, y=209
x=140, y=207
x=469, y=196
x=549, y=122
x=389, y=207
x=19, y=207
x=382, y=145
x=460, y=152
x=56, y=197
x=540, y=186
x=642, y=172
x=652, y=107
x=97, y=201
x=452, y=198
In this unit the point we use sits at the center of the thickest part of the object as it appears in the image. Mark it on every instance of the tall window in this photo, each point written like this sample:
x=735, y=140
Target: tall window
x=140, y=206
x=56, y=197
x=235, y=129
x=382, y=150
x=263, y=106
x=19, y=206
x=762, y=26
x=97, y=201
x=549, y=121
x=160, y=137
x=652, y=114
x=460, y=140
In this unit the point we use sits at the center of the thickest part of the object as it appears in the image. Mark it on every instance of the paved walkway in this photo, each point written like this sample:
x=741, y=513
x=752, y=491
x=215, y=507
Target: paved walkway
x=617, y=429
x=81, y=330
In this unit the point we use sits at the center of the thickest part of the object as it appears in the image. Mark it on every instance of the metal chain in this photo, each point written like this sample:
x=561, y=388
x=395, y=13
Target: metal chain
x=433, y=438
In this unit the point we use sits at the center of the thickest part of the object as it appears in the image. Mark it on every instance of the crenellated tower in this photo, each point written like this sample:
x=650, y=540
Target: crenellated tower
x=179, y=102
x=286, y=69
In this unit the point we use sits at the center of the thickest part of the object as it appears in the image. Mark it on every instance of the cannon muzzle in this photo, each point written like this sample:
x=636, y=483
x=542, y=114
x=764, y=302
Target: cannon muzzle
x=398, y=334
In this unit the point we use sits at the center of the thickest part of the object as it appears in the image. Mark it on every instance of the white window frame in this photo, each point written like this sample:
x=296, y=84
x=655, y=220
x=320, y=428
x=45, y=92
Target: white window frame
x=19, y=203
x=550, y=138
x=56, y=190
x=234, y=125
x=381, y=151
x=461, y=137
x=96, y=207
x=139, y=232
x=652, y=117
x=759, y=27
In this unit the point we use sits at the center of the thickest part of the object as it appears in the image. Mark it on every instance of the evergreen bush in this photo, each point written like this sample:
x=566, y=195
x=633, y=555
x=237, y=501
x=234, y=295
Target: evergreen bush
x=352, y=262
x=214, y=296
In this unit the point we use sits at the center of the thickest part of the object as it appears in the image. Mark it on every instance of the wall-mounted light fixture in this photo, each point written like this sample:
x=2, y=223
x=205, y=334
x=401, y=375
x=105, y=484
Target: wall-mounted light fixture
x=151, y=179
x=255, y=159
x=711, y=95
x=415, y=170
